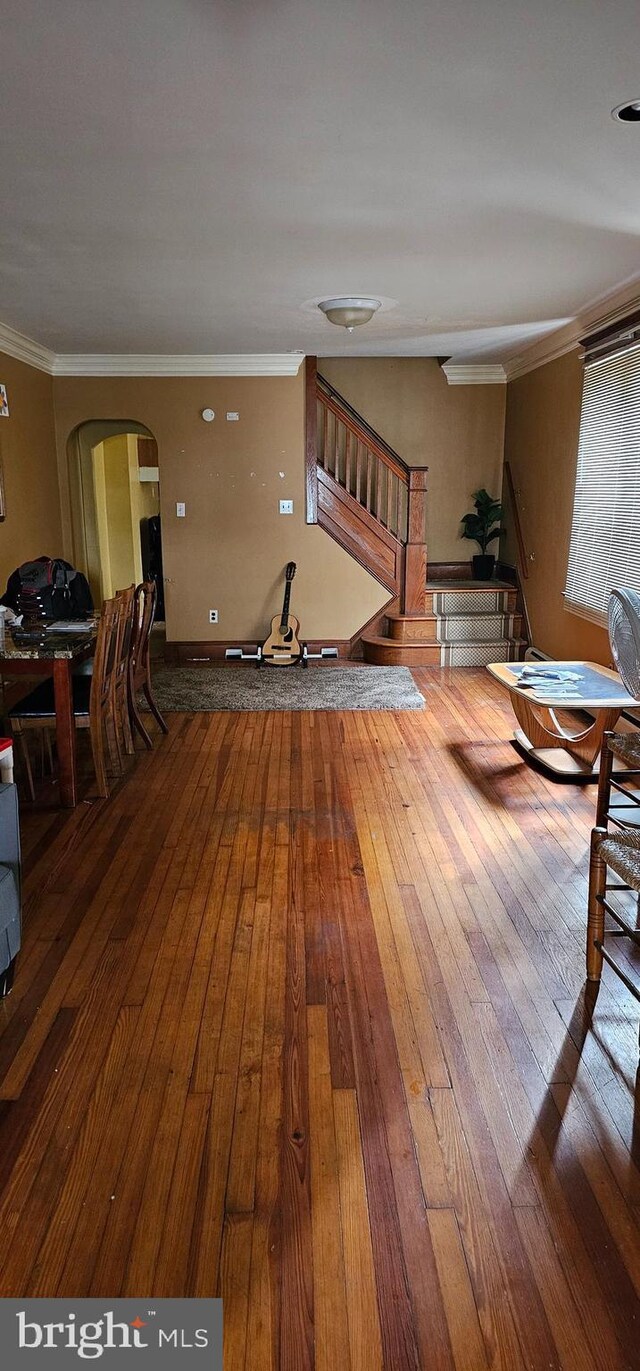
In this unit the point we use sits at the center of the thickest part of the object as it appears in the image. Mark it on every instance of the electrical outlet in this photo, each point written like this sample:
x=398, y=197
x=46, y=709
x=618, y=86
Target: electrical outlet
x=181, y=510
x=286, y=506
x=213, y=616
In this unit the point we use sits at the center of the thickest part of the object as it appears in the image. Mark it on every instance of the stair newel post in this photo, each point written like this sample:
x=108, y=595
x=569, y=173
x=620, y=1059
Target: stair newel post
x=415, y=558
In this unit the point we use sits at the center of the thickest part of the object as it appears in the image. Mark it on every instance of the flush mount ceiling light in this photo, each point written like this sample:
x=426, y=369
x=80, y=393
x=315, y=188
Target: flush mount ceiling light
x=349, y=311
x=629, y=113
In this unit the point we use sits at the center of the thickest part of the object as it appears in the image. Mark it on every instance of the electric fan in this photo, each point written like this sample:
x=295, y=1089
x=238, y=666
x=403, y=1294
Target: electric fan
x=624, y=636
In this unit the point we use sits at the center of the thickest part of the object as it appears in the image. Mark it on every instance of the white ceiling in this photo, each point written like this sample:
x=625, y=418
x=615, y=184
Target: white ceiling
x=189, y=176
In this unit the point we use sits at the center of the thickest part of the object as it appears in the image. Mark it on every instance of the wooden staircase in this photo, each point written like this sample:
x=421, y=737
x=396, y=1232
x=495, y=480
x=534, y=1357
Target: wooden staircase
x=363, y=494
x=366, y=497
x=465, y=623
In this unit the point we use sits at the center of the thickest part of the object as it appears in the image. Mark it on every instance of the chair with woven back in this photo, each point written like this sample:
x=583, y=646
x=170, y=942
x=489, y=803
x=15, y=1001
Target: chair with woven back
x=615, y=840
x=144, y=608
x=95, y=697
x=615, y=847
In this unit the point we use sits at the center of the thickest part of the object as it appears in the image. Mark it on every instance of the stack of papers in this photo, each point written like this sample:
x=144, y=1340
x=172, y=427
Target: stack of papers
x=557, y=683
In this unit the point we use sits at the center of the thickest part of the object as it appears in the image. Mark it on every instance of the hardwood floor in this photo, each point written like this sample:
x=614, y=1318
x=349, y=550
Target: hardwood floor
x=300, y=1019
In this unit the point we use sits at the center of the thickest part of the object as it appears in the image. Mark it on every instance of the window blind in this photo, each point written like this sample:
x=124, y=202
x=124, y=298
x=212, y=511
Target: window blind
x=604, y=551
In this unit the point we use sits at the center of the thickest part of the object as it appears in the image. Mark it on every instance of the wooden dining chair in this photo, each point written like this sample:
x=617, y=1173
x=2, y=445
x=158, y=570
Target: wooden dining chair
x=615, y=847
x=125, y=600
x=144, y=609
x=94, y=697
x=43, y=738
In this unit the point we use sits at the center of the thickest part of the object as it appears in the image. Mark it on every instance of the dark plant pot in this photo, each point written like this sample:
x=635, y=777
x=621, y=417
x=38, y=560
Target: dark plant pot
x=483, y=567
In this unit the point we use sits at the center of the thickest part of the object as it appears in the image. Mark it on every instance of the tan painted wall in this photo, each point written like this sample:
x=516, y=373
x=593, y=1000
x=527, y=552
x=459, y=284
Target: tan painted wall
x=230, y=551
x=541, y=445
x=32, y=527
x=457, y=431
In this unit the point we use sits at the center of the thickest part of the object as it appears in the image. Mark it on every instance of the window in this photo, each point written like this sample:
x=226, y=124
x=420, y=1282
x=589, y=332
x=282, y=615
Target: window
x=605, y=533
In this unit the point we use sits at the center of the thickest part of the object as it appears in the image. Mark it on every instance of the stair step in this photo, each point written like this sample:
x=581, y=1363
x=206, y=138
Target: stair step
x=481, y=653
x=456, y=584
x=455, y=599
x=386, y=652
x=389, y=652
x=493, y=625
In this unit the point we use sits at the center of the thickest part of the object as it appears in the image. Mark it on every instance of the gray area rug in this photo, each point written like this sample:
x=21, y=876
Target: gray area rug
x=187, y=690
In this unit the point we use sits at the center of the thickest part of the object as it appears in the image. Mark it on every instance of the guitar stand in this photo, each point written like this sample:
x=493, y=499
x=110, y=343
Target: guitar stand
x=322, y=655
x=238, y=654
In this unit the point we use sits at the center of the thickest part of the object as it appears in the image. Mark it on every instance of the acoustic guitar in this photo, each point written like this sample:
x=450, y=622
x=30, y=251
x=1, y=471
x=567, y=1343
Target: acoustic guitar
x=282, y=647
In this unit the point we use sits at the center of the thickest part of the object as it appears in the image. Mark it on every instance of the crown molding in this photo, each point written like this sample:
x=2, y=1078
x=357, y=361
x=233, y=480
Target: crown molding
x=152, y=364
x=566, y=340
x=597, y=313
x=26, y=350
x=475, y=374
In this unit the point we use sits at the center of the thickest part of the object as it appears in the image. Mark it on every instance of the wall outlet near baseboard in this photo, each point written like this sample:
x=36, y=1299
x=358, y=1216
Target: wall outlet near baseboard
x=213, y=616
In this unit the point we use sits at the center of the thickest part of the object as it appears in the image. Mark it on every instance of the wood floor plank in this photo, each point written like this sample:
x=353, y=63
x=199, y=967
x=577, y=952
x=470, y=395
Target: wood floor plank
x=263, y=1332
x=296, y=1317
x=462, y=1315
x=527, y=1309
x=213, y=1178
x=435, y=1186
x=481, y=1244
x=331, y=1334
x=365, y=1339
x=240, y=1192
x=173, y=1249
x=583, y=1346
x=235, y=1267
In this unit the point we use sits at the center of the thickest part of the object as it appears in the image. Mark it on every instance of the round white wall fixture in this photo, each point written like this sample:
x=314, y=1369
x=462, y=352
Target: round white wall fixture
x=208, y=415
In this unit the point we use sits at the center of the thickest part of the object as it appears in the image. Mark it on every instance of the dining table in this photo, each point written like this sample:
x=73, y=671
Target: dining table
x=57, y=652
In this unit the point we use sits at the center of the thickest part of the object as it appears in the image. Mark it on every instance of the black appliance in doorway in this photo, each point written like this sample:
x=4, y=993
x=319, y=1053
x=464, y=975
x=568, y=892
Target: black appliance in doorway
x=151, y=541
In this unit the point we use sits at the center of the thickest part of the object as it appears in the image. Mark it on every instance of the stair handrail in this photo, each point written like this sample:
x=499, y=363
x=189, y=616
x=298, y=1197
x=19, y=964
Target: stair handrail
x=522, y=554
x=524, y=560
x=374, y=441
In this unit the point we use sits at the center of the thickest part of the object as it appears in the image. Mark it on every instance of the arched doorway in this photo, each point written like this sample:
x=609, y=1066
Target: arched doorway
x=115, y=506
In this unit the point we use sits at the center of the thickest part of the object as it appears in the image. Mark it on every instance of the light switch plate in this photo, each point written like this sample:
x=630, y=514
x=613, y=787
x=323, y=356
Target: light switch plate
x=232, y=415
x=181, y=510
x=286, y=506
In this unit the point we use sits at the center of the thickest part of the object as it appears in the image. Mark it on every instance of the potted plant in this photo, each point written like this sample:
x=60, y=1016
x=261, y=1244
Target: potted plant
x=483, y=527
